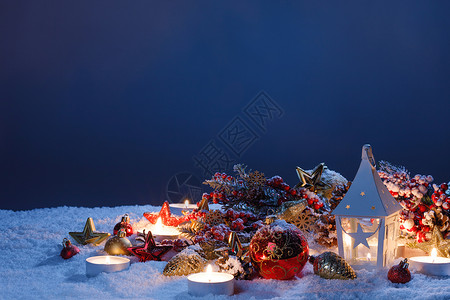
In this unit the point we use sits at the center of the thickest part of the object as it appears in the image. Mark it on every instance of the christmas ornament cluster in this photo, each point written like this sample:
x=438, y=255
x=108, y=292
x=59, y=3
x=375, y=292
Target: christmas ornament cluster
x=265, y=226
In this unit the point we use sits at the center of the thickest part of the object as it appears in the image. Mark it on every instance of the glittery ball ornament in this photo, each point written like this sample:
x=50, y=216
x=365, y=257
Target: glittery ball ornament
x=68, y=250
x=278, y=251
x=119, y=244
x=125, y=223
x=329, y=265
x=400, y=273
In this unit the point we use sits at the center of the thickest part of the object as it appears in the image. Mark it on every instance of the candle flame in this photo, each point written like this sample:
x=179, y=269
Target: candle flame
x=209, y=269
x=433, y=254
x=186, y=203
x=347, y=240
x=108, y=260
x=158, y=225
x=369, y=256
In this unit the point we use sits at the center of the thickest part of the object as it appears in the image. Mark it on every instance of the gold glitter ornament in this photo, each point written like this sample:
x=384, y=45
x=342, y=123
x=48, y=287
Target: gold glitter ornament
x=235, y=244
x=437, y=241
x=256, y=179
x=329, y=265
x=306, y=220
x=184, y=263
x=311, y=180
x=203, y=204
x=118, y=244
x=214, y=217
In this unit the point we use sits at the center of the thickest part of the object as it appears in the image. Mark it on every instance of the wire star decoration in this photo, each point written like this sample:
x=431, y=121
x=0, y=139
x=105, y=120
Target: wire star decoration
x=311, y=181
x=88, y=235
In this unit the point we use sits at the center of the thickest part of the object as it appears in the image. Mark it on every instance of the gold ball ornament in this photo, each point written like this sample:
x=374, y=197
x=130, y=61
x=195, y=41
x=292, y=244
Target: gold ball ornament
x=118, y=244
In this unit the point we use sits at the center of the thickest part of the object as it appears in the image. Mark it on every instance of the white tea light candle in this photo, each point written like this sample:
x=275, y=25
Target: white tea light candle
x=162, y=232
x=178, y=208
x=431, y=265
x=209, y=282
x=108, y=264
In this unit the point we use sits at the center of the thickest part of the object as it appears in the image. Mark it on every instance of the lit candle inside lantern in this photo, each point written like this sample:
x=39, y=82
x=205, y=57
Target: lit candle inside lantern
x=108, y=264
x=186, y=203
x=348, y=245
x=369, y=256
x=431, y=265
x=209, y=282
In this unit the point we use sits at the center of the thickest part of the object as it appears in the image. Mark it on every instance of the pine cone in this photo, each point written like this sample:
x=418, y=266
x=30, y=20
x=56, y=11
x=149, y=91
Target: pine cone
x=184, y=263
x=329, y=265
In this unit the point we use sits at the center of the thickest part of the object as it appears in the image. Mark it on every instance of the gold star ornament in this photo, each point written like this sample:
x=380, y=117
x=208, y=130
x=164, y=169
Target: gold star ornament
x=437, y=241
x=311, y=181
x=88, y=235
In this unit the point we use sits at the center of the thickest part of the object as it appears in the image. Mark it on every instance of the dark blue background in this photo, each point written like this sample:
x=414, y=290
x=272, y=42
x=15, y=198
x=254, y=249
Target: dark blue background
x=102, y=102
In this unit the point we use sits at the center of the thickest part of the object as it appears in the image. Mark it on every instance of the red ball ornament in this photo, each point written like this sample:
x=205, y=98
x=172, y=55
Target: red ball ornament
x=125, y=223
x=400, y=273
x=279, y=251
x=68, y=250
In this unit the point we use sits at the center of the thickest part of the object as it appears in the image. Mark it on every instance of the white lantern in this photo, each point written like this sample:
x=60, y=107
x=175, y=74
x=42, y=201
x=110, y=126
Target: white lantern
x=367, y=219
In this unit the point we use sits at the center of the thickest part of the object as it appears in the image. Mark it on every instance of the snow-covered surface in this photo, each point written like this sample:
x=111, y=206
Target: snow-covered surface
x=31, y=268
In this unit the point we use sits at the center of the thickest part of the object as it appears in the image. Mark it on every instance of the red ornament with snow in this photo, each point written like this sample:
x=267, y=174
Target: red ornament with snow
x=166, y=217
x=68, y=250
x=279, y=251
x=400, y=273
x=125, y=223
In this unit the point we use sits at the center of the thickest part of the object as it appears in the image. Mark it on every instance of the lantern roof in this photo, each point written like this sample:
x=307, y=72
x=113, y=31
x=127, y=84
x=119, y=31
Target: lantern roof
x=367, y=196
